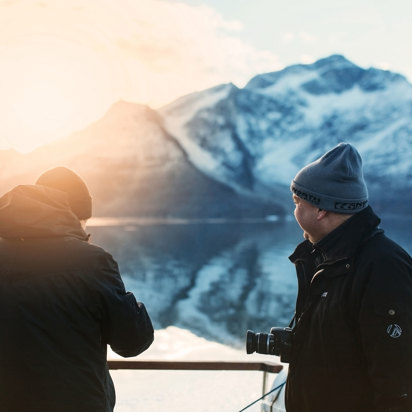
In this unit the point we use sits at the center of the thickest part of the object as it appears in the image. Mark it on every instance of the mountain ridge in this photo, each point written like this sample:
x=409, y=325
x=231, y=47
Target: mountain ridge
x=229, y=151
x=284, y=123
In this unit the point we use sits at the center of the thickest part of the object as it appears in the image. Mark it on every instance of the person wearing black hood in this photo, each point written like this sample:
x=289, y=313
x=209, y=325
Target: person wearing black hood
x=352, y=334
x=62, y=301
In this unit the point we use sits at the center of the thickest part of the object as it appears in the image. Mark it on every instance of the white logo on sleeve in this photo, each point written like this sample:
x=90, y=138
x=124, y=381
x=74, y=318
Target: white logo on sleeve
x=394, y=330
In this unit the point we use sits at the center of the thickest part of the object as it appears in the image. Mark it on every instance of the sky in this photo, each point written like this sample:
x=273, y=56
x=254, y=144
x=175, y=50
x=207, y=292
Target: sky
x=63, y=63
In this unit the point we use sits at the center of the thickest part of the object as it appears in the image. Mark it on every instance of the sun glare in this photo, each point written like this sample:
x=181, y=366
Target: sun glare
x=42, y=103
x=64, y=63
x=50, y=88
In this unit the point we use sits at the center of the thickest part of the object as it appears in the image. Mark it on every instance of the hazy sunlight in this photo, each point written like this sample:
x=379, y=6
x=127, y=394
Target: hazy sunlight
x=64, y=63
x=51, y=87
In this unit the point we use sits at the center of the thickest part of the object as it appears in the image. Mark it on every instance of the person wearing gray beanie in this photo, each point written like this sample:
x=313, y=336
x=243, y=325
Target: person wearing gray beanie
x=354, y=301
x=334, y=182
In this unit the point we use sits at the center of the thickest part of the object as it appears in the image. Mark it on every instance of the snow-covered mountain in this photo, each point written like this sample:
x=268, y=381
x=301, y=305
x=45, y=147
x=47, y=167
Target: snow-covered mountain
x=232, y=152
x=256, y=138
x=134, y=167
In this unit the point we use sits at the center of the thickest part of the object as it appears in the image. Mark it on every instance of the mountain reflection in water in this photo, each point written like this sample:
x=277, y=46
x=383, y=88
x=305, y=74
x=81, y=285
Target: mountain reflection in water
x=215, y=278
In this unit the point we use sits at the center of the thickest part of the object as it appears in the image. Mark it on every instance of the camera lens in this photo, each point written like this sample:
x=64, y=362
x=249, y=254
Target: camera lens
x=250, y=342
x=278, y=342
x=259, y=342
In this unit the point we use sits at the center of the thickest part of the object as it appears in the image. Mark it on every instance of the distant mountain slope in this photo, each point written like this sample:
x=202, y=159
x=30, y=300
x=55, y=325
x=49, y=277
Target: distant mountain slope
x=135, y=168
x=231, y=152
x=258, y=137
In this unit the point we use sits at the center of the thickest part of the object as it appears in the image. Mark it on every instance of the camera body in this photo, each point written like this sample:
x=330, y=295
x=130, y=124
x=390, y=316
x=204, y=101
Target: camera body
x=278, y=342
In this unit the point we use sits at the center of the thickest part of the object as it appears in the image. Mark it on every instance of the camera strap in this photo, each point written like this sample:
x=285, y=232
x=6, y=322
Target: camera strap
x=264, y=396
x=292, y=323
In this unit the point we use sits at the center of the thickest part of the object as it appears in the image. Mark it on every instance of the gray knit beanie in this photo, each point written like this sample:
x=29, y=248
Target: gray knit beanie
x=334, y=182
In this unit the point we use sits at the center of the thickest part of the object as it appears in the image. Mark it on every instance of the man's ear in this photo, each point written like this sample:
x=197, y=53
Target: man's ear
x=321, y=214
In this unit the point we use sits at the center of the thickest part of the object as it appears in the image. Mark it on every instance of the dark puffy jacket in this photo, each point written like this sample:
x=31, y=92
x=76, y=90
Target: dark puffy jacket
x=352, y=344
x=62, y=301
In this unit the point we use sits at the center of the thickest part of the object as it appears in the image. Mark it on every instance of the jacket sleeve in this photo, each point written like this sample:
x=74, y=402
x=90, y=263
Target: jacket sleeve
x=126, y=325
x=386, y=331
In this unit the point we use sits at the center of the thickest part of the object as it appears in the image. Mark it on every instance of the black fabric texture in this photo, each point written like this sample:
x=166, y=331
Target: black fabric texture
x=352, y=342
x=62, y=301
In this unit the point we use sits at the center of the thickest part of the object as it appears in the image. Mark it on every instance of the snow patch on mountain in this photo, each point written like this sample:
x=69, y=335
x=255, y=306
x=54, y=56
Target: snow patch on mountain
x=292, y=82
x=179, y=113
x=276, y=163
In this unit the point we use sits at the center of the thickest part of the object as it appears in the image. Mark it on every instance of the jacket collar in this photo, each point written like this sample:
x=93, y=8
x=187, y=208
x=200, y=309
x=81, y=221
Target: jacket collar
x=343, y=241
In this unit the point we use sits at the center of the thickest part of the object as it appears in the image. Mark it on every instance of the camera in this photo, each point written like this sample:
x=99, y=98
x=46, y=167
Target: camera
x=277, y=342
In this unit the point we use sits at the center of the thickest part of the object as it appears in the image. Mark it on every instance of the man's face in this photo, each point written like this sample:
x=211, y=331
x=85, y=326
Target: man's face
x=306, y=215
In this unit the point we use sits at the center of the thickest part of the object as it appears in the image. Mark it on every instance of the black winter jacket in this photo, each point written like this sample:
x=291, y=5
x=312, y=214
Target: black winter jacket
x=62, y=301
x=352, y=343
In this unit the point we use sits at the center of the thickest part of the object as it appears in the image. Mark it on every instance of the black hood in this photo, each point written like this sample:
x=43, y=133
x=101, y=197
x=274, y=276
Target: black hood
x=31, y=211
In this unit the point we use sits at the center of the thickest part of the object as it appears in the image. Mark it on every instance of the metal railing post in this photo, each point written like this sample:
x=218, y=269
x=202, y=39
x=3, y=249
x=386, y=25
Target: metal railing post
x=264, y=382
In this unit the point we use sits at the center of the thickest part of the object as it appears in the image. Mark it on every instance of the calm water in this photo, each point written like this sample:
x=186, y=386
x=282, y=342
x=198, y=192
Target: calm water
x=217, y=279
